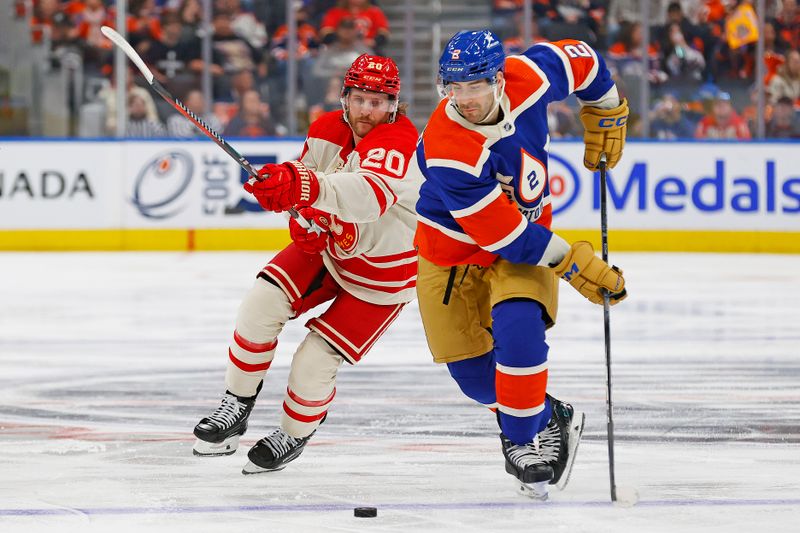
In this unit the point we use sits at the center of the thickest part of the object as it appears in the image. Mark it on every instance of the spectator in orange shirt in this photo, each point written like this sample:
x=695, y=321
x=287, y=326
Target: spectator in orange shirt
x=774, y=49
x=44, y=14
x=143, y=23
x=370, y=21
x=723, y=122
x=307, y=44
x=89, y=19
x=624, y=56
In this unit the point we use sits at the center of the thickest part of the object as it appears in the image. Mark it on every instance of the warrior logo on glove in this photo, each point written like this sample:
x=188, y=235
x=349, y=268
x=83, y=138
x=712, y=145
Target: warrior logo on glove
x=282, y=187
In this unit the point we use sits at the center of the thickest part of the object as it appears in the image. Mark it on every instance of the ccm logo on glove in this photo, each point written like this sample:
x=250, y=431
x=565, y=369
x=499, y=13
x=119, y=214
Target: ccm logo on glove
x=612, y=123
x=590, y=275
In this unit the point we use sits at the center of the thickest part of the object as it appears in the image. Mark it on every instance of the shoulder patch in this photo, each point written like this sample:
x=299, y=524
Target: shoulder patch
x=331, y=127
x=439, y=139
x=522, y=81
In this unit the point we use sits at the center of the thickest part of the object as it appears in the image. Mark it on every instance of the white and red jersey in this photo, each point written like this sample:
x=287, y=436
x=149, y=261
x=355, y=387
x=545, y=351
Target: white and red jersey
x=366, y=184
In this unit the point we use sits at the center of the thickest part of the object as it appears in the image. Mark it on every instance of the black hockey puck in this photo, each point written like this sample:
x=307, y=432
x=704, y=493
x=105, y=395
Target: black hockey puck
x=365, y=512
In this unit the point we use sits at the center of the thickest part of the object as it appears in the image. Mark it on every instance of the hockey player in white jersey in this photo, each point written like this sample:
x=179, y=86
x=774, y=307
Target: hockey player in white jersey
x=350, y=181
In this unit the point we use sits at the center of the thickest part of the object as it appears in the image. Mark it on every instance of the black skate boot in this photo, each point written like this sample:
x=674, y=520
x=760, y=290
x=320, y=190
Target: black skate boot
x=274, y=452
x=526, y=464
x=218, y=434
x=558, y=442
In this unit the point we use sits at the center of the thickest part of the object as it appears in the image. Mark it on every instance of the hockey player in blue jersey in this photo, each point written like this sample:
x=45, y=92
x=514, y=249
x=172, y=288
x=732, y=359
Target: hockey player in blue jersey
x=488, y=262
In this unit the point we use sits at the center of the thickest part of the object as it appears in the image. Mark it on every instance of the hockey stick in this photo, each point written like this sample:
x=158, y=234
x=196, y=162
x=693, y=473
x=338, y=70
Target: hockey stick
x=607, y=330
x=120, y=41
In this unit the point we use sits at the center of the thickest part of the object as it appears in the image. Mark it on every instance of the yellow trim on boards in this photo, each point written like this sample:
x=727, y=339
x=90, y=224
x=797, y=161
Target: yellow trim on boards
x=275, y=239
x=143, y=240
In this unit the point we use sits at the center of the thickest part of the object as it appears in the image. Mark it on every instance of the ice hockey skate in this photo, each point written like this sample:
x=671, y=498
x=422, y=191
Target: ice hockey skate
x=558, y=442
x=218, y=433
x=274, y=452
x=533, y=472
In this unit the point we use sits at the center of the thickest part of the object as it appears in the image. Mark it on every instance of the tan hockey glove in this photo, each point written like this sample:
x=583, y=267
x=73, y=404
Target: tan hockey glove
x=589, y=274
x=604, y=132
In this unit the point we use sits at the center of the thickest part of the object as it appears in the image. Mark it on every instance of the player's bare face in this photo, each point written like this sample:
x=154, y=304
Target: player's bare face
x=474, y=99
x=366, y=109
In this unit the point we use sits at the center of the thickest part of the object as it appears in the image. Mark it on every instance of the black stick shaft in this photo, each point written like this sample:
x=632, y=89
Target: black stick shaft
x=607, y=332
x=214, y=136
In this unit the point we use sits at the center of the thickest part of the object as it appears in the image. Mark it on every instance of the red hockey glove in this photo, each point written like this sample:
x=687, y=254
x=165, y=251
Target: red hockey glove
x=344, y=234
x=308, y=241
x=280, y=187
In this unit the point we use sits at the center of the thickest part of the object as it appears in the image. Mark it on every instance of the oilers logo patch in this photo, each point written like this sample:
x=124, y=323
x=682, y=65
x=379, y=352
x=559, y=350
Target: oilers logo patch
x=532, y=181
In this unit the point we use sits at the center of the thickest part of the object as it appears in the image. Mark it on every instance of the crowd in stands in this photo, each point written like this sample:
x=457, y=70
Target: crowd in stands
x=248, y=58
x=700, y=59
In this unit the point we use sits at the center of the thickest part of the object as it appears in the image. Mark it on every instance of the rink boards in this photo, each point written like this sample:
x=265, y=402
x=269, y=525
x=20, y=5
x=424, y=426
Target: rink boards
x=187, y=195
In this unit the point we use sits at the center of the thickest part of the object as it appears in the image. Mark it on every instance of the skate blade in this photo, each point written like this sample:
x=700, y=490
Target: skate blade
x=214, y=449
x=575, y=433
x=534, y=491
x=252, y=468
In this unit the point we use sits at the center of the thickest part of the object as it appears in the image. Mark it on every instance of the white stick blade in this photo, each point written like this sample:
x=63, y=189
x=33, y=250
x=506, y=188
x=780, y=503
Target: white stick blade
x=120, y=41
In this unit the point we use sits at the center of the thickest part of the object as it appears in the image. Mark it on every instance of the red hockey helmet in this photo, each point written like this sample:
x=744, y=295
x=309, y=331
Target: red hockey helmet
x=373, y=73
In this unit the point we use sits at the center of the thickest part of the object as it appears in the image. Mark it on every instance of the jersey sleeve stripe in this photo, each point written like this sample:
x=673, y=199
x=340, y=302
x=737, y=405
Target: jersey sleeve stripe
x=441, y=249
x=590, y=77
x=365, y=271
x=508, y=239
x=455, y=235
x=381, y=182
x=565, y=60
x=380, y=195
x=377, y=285
x=460, y=165
x=408, y=256
x=480, y=204
x=519, y=94
x=494, y=224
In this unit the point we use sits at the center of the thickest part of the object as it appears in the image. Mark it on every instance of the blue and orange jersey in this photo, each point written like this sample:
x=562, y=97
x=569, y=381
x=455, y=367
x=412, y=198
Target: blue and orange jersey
x=486, y=191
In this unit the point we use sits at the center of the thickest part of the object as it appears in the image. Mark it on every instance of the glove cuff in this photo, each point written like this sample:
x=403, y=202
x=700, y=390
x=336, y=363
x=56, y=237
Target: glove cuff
x=568, y=266
x=599, y=120
x=307, y=186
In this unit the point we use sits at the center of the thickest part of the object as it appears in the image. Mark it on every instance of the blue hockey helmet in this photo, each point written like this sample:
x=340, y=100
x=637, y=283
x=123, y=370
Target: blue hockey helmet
x=471, y=55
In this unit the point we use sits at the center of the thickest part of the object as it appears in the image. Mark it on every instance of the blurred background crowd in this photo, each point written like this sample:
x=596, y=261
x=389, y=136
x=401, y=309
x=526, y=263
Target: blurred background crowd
x=701, y=61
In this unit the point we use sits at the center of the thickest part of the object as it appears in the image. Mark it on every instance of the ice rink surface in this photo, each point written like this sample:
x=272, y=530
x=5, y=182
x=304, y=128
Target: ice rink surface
x=108, y=360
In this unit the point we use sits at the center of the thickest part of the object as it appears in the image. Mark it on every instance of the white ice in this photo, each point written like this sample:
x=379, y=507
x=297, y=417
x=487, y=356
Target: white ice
x=108, y=360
